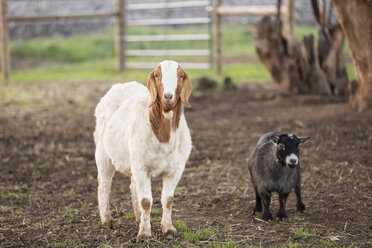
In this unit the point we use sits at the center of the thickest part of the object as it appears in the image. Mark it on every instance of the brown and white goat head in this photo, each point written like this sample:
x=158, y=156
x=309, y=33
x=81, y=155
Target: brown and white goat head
x=170, y=89
x=168, y=84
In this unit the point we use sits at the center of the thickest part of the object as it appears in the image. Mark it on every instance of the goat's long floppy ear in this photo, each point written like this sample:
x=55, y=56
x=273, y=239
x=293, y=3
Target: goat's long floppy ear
x=186, y=90
x=304, y=140
x=151, y=86
x=274, y=138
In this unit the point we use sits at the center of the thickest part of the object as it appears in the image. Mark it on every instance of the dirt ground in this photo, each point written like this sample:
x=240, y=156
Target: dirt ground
x=48, y=175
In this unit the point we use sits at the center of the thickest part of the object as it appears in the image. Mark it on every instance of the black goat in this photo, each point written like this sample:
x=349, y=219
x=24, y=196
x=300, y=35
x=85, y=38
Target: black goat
x=274, y=166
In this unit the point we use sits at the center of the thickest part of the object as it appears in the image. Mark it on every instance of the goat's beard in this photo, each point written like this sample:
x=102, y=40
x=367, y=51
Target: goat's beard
x=168, y=107
x=291, y=166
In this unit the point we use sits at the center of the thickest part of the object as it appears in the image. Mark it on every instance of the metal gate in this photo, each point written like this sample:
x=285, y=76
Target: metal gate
x=168, y=38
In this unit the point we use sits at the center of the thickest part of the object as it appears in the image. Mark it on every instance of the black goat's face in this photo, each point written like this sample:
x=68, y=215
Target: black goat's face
x=288, y=148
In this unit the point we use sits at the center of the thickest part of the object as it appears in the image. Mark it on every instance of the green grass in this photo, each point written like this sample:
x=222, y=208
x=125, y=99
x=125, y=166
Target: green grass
x=154, y=213
x=129, y=215
x=301, y=233
x=18, y=212
x=238, y=41
x=333, y=244
x=247, y=72
x=91, y=56
x=59, y=244
x=104, y=70
x=70, y=192
x=350, y=71
x=293, y=245
x=69, y=243
x=328, y=243
x=301, y=31
x=77, y=48
x=37, y=225
x=289, y=245
x=191, y=235
x=234, y=208
x=179, y=189
x=194, y=236
x=181, y=226
x=228, y=244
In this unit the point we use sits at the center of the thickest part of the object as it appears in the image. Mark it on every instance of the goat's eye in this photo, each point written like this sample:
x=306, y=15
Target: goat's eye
x=156, y=76
x=281, y=147
x=181, y=77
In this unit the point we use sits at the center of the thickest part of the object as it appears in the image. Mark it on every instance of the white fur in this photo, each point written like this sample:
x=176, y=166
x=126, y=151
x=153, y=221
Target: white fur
x=291, y=156
x=169, y=76
x=125, y=142
x=169, y=115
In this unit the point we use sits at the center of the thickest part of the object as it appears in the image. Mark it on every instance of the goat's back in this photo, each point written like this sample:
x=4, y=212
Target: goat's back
x=122, y=95
x=264, y=151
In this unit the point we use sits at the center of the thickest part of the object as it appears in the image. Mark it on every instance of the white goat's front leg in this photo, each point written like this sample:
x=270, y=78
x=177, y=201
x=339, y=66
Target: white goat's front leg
x=106, y=172
x=143, y=189
x=135, y=203
x=169, y=185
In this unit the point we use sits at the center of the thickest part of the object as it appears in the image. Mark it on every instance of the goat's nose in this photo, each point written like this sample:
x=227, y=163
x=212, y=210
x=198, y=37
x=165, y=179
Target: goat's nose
x=168, y=96
x=293, y=161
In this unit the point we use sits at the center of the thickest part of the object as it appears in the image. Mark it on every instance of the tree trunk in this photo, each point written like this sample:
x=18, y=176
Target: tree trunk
x=303, y=68
x=355, y=18
x=312, y=73
x=294, y=68
x=332, y=59
x=330, y=48
x=271, y=52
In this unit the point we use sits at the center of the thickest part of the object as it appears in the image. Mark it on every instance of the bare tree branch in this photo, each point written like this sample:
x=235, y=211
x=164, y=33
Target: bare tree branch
x=330, y=9
x=315, y=7
x=278, y=21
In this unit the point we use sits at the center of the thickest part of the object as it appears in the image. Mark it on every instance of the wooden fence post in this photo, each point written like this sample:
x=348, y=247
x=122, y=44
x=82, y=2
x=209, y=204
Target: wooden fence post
x=4, y=32
x=119, y=34
x=290, y=14
x=218, y=37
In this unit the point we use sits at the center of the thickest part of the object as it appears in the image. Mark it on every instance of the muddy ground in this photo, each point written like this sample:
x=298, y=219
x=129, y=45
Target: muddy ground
x=48, y=175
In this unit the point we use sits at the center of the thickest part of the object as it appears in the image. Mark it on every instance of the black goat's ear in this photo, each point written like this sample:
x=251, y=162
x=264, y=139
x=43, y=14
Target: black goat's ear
x=274, y=138
x=304, y=140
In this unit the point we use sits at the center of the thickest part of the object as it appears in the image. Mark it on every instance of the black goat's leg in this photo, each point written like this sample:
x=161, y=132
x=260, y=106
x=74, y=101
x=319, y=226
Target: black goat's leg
x=282, y=213
x=300, y=205
x=258, y=206
x=266, y=198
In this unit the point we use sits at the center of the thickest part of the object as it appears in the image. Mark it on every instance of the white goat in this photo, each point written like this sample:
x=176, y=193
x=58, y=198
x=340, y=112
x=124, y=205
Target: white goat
x=142, y=133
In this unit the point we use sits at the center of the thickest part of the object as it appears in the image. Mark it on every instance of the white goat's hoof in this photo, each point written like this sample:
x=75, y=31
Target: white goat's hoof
x=169, y=232
x=143, y=237
x=108, y=223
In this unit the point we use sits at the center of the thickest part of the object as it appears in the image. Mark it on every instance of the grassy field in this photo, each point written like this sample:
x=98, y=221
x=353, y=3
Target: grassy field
x=91, y=56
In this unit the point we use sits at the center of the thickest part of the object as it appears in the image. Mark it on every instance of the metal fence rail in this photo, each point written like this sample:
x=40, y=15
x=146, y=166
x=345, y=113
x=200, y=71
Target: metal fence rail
x=167, y=5
x=178, y=21
x=169, y=53
x=185, y=65
x=168, y=37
